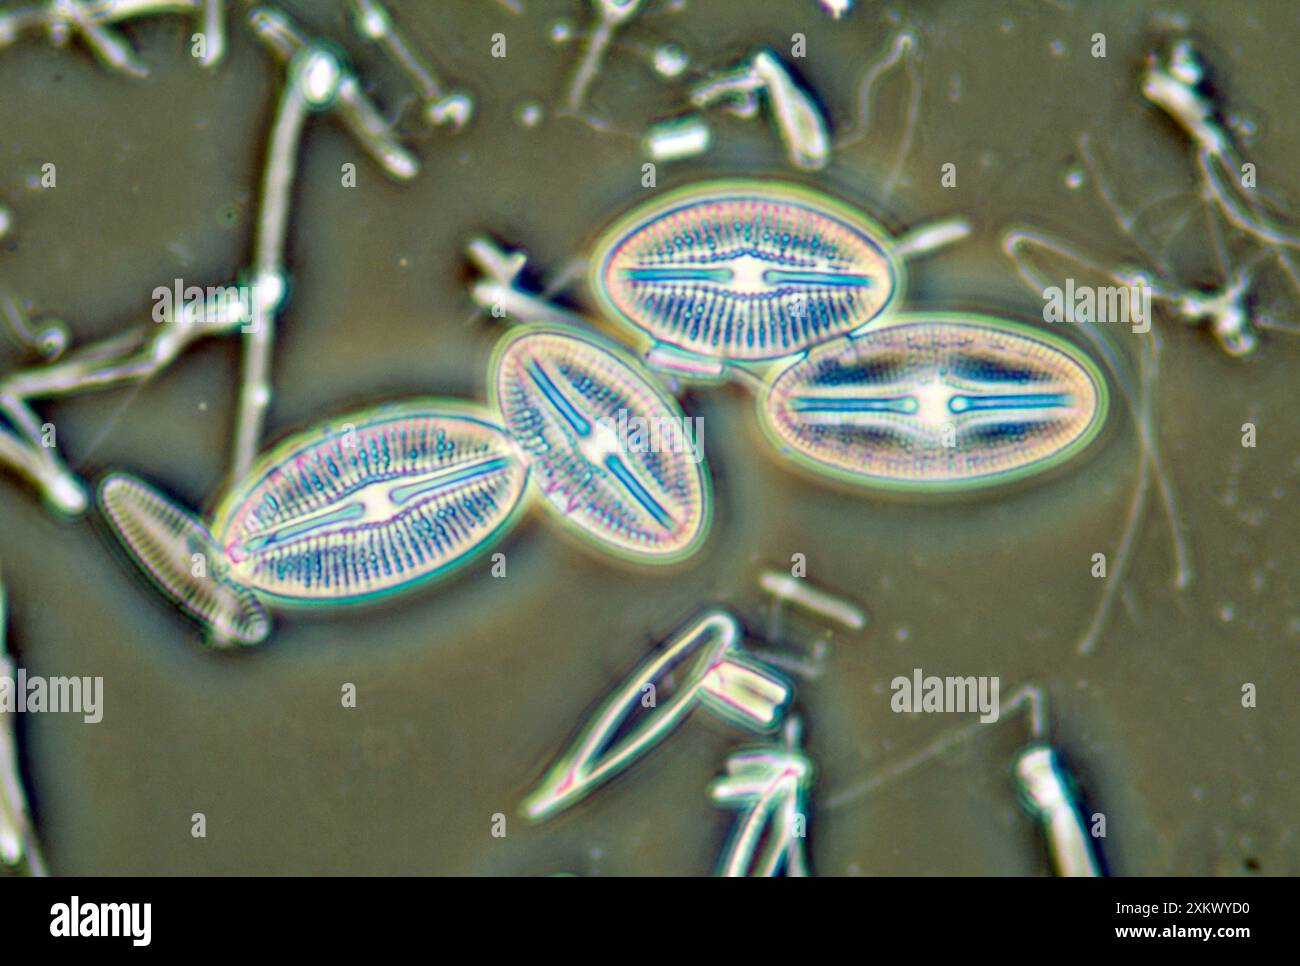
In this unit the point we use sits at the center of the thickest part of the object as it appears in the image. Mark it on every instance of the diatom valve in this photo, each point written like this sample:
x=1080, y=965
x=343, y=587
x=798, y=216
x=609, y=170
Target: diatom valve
x=613, y=455
x=937, y=402
x=366, y=504
x=703, y=665
x=744, y=270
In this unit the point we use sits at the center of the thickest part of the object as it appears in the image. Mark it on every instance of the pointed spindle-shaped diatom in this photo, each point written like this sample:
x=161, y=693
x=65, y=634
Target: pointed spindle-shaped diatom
x=703, y=665
x=937, y=402
x=613, y=455
x=177, y=552
x=744, y=270
x=370, y=503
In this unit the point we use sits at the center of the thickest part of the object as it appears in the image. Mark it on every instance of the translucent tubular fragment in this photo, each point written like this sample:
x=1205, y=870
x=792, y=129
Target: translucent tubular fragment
x=798, y=120
x=737, y=89
x=211, y=18
x=770, y=787
x=744, y=270
x=312, y=84
x=23, y=451
x=115, y=11
x=137, y=354
x=179, y=555
x=610, y=14
x=214, y=31
x=718, y=675
x=519, y=306
x=109, y=48
x=355, y=111
x=130, y=357
x=371, y=502
x=1047, y=793
x=20, y=21
x=49, y=341
x=372, y=20
x=613, y=455
x=677, y=138
x=930, y=237
x=1174, y=88
x=1136, y=386
x=19, y=850
x=799, y=592
x=937, y=402
x=494, y=262
x=1176, y=84
x=500, y=292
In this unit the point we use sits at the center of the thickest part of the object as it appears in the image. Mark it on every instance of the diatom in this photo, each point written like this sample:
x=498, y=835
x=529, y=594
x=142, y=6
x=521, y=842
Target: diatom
x=179, y=555
x=613, y=455
x=938, y=402
x=370, y=502
x=703, y=665
x=744, y=270
x=365, y=504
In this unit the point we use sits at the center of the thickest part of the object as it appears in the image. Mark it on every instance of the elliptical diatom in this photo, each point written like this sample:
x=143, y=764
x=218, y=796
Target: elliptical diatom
x=933, y=401
x=613, y=455
x=744, y=270
x=370, y=502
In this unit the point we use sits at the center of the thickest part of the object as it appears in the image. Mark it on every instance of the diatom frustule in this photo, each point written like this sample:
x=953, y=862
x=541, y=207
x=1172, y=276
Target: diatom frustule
x=614, y=456
x=365, y=504
x=370, y=502
x=744, y=270
x=179, y=555
x=937, y=402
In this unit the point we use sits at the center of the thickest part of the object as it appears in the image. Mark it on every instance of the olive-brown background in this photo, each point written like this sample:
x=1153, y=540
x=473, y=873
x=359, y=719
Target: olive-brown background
x=467, y=689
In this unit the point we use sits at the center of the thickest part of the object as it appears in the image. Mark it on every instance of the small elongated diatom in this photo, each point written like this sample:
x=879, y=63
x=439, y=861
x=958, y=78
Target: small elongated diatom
x=613, y=455
x=365, y=504
x=744, y=270
x=937, y=402
x=180, y=556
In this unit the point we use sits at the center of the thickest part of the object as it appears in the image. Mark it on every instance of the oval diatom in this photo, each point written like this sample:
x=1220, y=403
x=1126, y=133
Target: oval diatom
x=179, y=555
x=371, y=502
x=613, y=455
x=938, y=402
x=744, y=270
